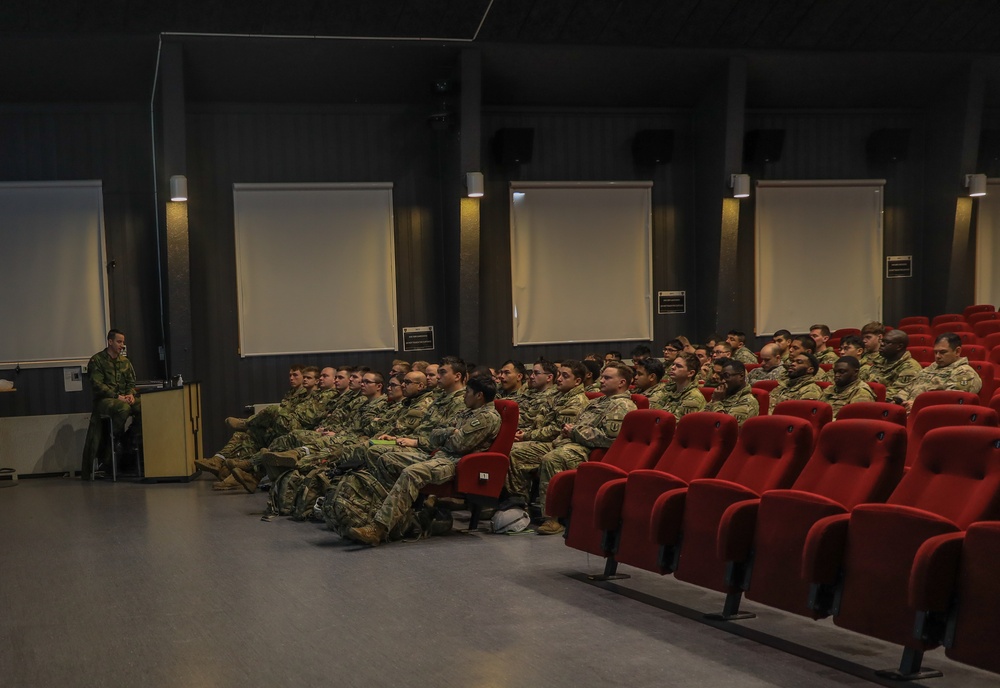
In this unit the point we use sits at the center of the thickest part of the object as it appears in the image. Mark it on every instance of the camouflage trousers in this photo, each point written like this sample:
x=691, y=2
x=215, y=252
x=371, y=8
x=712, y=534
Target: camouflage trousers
x=119, y=411
x=525, y=457
x=262, y=429
x=405, y=490
x=562, y=458
x=387, y=465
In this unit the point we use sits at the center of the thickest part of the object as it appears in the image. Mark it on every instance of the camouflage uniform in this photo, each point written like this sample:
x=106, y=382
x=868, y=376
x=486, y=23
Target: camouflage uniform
x=869, y=358
x=758, y=374
x=803, y=388
x=705, y=374
x=268, y=425
x=658, y=394
x=593, y=387
x=895, y=375
x=959, y=376
x=744, y=355
x=820, y=376
x=440, y=414
x=740, y=406
x=536, y=409
x=526, y=454
x=688, y=400
x=109, y=379
x=518, y=395
x=597, y=426
x=827, y=356
x=473, y=430
x=839, y=398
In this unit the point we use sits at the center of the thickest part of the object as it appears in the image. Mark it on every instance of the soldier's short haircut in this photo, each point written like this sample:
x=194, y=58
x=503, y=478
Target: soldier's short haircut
x=823, y=330
x=419, y=366
x=615, y=355
x=479, y=371
x=874, y=327
x=675, y=344
x=725, y=345
x=112, y=333
x=652, y=366
x=457, y=365
x=516, y=365
x=813, y=361
x=311, y=369
x=715, y=337
x=854, y=363
x=807, y=342
x=298, y=367
x=483, y=384
x=379, y=379
x=954, y=341
x=691, y=361
x=348, y=369
x=623, y=370
x=578, y=369
x=363, y=370
x=593, y=366
x=852, y=340
x=740, y=336
x=548, y=366
x=405, y=365
x=736, y=366
x=640, y=351
x=593, y=356
x=782, y=333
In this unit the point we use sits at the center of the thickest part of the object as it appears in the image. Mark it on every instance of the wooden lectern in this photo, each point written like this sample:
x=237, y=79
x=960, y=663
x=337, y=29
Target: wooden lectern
x=171, y=432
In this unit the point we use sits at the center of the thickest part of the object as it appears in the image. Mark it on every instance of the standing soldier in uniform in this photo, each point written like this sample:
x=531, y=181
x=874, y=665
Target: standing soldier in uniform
x=846, y=388
x=112, y=381
x=733, y=397
x=950, y=370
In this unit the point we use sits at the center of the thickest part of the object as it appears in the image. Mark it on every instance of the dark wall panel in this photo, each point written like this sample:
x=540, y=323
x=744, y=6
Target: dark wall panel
x=233, y=143
x=586, y=146
x=110, y=143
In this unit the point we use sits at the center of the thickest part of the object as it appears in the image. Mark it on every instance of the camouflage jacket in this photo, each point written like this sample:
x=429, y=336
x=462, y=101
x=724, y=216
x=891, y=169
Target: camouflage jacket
x=802, y=388
x=744, y=355
x=408, y=416
x=110, y=377
x=593, y=387
x=368, y=417
x=600, y=421
x=312, y=409
x=820, y=376
x=827, y=356
x=658, y=394
x=839, y=398
x=758, y=374
x=869, y=358
x=566, y=408
x=959, y=376
x=518, y=395
x=895, y=375
x=536, y=409
x=688, y=400
x=473, y=430
x=740, y=406
x=441, y=413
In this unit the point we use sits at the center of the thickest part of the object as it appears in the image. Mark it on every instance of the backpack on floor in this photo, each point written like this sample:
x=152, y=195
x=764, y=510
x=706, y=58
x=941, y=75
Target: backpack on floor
x=316, y=483
x=284, y=491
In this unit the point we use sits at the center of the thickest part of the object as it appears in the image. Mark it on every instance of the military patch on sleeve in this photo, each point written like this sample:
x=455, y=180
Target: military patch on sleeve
x=475, y=423
x=614, y=426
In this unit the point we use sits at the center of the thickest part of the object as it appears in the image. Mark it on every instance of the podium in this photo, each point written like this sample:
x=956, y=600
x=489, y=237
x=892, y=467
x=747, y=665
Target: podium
x=171, y=433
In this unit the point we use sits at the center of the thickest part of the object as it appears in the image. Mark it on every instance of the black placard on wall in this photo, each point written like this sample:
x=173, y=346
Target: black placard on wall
x=671, y=302
x=898, y=266
x=418, y=338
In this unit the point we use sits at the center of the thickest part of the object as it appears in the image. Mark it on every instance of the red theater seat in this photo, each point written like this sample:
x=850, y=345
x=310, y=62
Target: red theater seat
x=987, y=372
x=863, y=560
x=955, y=326
x=953, y=587
x=641, y=402
x=978, y=309
x=947, y=318
x=818, y=413
x=701, y=443
x=917, y=329
x=985, y=328
x=922, y=354
x=879, y=390
x=594, y=395
x=845, y=331
x=945, y=416
x=643, y=438
x=940, y=396
x=855, y=461
x=986, y=316
x=975, y=352
x=914, y=320
x=763, y=398
x=873, y=410
x=479, y=477
x=991, y=341
x=707, y=392
x=766, y=385
x=921, y=340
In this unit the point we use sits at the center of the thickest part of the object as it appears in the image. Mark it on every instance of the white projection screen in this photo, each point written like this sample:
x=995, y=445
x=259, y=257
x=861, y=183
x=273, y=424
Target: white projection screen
x=988, y=245
x=294, y=297
x=54, y=308
x=819, y=254
x=581, y=261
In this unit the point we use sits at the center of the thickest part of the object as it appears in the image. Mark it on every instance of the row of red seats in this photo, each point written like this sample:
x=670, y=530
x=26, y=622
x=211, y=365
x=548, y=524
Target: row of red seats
x=824, y=530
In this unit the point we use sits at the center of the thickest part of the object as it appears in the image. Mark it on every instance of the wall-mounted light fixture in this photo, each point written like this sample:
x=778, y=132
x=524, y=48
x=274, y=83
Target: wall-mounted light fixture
x=976, y=183
x=740, y=184
x=178, y=188
x=474, y=184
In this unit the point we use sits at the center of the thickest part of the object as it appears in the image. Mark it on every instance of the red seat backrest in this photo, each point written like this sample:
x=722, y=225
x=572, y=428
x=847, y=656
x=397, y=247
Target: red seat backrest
x=594, y=395
x=995, y=403
x=968, y=338
x=991, y=341
x=953, y=326
x=769, y=453
x=978, y=308
x=643, y=438
x=956, y=475
x=641, y=401
x=994, y=356
x=947, y=317
x=845, y=331
x=763, y=398
x=509, y=414
x=873, y=410
x=855, y=461
x=923, y=354
x=921, y=340
x=702, y=442
x=985, y=328
x=974, y=635
x=818, y=413
x=986, y=316
x=751, y=366
x=975, y=352
x=942, y=396
x=917, y=329
x=987, y=373
x=946, y=416
x=707, y=392
x=766, y=385
x=879, y=390
x=914, y=320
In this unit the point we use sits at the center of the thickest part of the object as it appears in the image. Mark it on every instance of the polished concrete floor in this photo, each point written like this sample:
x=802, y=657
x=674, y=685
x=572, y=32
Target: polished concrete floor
x=156, y=586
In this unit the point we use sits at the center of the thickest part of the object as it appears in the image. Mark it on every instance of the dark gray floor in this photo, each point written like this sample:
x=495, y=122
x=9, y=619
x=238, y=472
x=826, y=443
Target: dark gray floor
x=173, y=585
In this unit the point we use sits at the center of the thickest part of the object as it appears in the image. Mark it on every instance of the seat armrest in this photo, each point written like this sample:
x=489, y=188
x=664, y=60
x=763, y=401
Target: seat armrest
x=482, y=473
x=935, y=572
x=824, y=550
x=736, y=530
x=559, y=498
x=667, y=517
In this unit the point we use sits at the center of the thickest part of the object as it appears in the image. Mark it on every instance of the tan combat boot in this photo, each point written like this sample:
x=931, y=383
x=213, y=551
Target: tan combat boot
x=227, y=485
x=550, y=527
x=284, y=459
x=236, y=423
x=368, y=535
x=211, y=465
x=242, y=464
x=245, y=478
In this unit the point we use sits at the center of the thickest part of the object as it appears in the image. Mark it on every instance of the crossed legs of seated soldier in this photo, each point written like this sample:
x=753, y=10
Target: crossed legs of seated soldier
x=563, y=458
x=94, y=447
x=525, y=458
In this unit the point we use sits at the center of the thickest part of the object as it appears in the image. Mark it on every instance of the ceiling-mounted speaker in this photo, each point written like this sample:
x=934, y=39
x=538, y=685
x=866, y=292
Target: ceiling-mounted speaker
x=653, y=147
x=513, y=146
x=763, y=145
x=888, y=145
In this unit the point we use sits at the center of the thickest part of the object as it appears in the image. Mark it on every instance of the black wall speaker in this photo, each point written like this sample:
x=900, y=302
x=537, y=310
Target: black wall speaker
x=763, y=145
x=513, y=146
x=888, y=145
x=653, y=147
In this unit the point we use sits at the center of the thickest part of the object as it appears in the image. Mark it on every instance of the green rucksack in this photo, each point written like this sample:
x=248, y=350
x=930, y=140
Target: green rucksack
x=283, y=492
x=315, y=484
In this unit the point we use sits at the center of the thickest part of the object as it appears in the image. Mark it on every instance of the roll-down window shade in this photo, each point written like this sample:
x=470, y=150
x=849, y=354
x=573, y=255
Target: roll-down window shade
x=315, y=268
x=988, y=245
x=581, y=261
x=54, y=304
x=819, y=254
